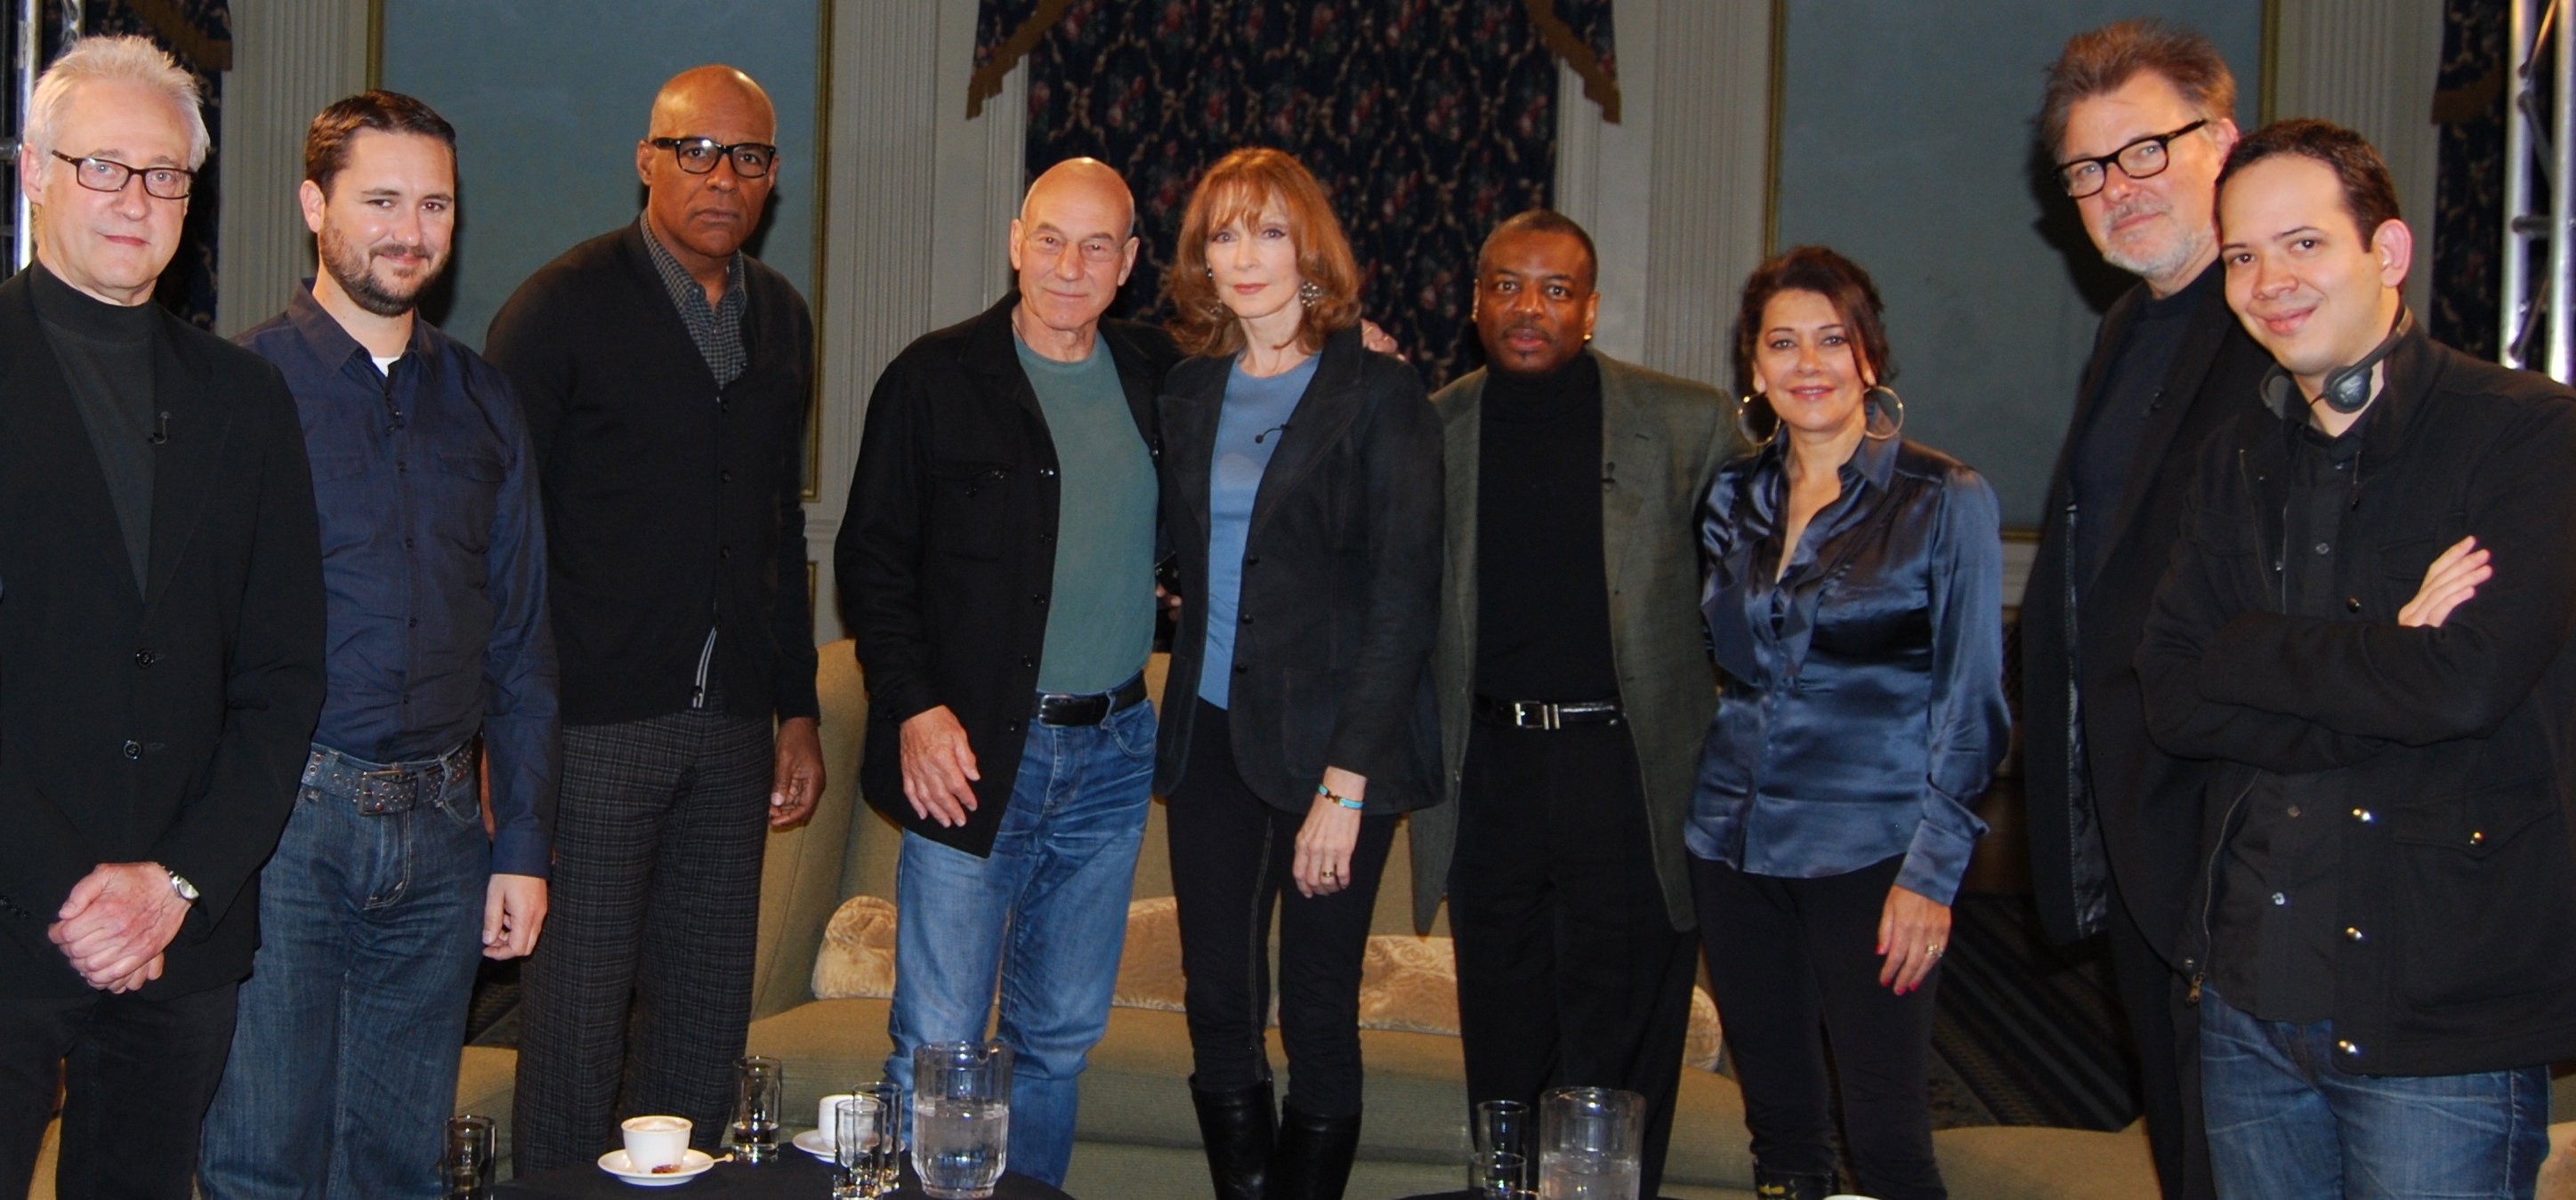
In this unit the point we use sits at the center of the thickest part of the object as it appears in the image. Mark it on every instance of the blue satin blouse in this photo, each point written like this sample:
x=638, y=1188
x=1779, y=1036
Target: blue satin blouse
x=1863, y=707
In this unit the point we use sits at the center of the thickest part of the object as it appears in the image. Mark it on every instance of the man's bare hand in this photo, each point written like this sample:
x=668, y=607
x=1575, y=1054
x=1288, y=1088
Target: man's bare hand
x=514, y=911
x=116, y=922
x=2449, y=582
x=938, y=767
x=799, y=779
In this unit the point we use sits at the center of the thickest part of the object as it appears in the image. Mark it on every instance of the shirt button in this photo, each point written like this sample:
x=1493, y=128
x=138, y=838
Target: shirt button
x=1253, y=561
x=2352, y=604
x=724, y=552
x=1046, y=539
x=1027, y=661
x=1037, y=599
x=133, y=749
x=145, y=658
x=1241, y=669
x=1048, y=472
x=724, y=477
x=2323, y=548
x=400, y=466
x=2278, y=899
x=407, y=543
x=2294, y=810
x=1011, y=727
x=1247, y=619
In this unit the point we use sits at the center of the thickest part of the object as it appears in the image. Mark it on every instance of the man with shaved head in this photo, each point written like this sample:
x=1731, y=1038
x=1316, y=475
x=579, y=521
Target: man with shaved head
x=666, y=377
x=996, y=567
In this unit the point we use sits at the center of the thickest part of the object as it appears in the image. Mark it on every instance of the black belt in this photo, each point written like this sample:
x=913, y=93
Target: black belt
x=1090, y=708
x=381, y=788
x=1540, y=714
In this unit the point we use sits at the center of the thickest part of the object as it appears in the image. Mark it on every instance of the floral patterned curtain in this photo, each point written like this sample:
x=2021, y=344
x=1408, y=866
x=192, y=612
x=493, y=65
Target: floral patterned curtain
x=1427, y=123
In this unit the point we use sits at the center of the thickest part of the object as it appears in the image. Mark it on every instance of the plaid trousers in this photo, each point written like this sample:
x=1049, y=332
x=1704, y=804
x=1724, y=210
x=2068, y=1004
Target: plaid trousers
x=654, y=901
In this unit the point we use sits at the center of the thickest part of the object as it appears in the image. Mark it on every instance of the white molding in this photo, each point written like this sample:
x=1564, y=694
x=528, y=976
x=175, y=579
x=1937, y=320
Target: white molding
x=2371, y=65
x=290, y=59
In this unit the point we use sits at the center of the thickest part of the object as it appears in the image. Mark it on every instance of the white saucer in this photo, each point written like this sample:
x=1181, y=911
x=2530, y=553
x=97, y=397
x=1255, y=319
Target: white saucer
x=693, y=1163
x=811, y=1142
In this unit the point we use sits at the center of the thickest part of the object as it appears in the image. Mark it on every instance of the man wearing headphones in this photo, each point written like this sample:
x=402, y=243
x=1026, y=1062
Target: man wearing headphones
x=2366, y=630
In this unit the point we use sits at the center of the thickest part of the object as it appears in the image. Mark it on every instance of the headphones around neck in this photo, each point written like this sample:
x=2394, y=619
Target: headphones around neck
x=2346, y=389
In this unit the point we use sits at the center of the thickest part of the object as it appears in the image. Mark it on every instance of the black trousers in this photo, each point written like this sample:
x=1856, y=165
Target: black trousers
x=137, y=1076
x=1795, y=966
x=2165, y=1033
x=638, y=998
x=1231, y=855
x=1570, y=973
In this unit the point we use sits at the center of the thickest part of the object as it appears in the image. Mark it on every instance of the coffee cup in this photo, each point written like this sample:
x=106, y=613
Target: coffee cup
x=655, y=1141
x=823, y=1115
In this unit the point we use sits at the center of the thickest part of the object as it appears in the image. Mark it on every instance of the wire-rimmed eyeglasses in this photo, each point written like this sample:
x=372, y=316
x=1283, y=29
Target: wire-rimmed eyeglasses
x=2141, y=159
x=698, y=155
x=109, y=175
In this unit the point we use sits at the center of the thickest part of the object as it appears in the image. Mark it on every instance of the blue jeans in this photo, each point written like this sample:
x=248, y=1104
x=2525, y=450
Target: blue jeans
x=343, y=1068
x=1044, y=916
x=2285, y=1124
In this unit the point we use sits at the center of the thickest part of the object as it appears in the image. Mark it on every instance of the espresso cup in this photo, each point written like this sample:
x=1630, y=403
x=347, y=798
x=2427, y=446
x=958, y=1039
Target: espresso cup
x=655, y=1141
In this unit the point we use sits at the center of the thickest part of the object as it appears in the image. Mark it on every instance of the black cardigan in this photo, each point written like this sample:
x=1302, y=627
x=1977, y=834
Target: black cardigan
x=1341, y=583
x=670, y=505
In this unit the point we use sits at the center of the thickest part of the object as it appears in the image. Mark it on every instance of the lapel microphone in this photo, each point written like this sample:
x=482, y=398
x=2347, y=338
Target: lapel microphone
x=160, y=432
x=1282, y=427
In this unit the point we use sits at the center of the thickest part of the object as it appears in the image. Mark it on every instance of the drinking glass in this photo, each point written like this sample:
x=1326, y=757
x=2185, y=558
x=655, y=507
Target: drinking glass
x=961, y=1117
x=885, y=1153
x=472, y=1144
x=1590, y=1144
x=760, y=1088
x=853, y=1135
x=1499, y=1168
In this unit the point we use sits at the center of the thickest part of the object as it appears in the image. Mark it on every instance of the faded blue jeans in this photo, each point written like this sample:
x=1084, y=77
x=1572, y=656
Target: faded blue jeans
x=1044, y=916
x=343, y=1068
x=2285, y=1124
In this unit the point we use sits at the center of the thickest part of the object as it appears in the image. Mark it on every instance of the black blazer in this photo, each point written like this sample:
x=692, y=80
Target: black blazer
x=2134, y=817
x=170, y=725
x=947, y=552
x=670, y=504
x=1341, y=583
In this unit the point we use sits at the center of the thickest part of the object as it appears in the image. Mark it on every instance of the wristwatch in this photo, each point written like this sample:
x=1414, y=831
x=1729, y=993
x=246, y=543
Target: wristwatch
x=179, y=883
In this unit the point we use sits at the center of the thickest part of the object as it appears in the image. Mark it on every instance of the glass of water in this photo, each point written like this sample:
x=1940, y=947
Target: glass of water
x=1590, y=1144
x=760, y=1091
x=468, y=1166
x=885, y=1153
x=853, y=1138
x=1499, y=1167
x=961, y=1117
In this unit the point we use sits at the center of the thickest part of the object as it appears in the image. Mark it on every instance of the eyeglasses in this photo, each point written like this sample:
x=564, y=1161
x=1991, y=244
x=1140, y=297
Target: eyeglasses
x=109, y=175
x=2141, y=159
x=698, y=155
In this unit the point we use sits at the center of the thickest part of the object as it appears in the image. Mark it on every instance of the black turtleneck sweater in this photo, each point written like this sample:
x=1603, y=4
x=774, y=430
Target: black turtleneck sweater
x=106, y=353
x=1542, y=608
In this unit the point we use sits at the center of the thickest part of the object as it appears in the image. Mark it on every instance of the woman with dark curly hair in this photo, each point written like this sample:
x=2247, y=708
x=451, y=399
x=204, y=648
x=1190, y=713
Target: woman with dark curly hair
x=1854, y=606
x=1301, y=492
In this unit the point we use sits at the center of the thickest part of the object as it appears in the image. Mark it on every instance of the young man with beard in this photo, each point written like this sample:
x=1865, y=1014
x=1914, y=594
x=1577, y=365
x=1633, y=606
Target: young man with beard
x=385, y=890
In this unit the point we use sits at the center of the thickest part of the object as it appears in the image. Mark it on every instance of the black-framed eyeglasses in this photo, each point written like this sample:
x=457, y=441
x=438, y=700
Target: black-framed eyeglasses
x=109, y=175
x=2140, y=159
x=698, y=155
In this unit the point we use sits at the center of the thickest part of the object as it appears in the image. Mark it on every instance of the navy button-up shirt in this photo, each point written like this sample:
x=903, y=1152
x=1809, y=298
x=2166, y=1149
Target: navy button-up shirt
x=1864, y=708
x=433, y=562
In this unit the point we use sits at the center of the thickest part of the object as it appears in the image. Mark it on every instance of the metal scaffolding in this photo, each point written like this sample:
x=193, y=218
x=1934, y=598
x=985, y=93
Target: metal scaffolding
x=27, y=59
x=2539, y=135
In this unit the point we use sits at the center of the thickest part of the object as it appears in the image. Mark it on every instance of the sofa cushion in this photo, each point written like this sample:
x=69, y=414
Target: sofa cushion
x=857, y=959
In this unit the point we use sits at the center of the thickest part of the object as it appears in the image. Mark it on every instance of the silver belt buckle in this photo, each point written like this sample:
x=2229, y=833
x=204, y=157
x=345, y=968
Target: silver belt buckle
x=1523, y=710
x=381, y=792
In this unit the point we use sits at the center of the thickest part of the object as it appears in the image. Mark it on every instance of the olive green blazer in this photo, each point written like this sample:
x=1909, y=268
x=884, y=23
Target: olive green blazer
x=1661, y=442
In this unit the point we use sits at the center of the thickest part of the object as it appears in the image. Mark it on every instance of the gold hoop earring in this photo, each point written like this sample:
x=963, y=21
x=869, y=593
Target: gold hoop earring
x=1895, y=425
x=1746, y=420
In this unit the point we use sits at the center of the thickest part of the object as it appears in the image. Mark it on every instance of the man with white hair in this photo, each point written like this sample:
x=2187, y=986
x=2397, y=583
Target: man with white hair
x=161, y=638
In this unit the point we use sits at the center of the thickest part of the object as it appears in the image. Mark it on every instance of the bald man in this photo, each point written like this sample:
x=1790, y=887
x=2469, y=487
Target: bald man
x=996, y=567
x=666, y=376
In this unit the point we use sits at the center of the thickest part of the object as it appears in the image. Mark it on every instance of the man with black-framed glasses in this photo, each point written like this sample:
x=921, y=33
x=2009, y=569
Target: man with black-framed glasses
x=2136, y=123
x=666, y=376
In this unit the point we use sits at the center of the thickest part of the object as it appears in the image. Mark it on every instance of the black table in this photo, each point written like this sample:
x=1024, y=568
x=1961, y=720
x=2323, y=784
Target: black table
x=795, y=1175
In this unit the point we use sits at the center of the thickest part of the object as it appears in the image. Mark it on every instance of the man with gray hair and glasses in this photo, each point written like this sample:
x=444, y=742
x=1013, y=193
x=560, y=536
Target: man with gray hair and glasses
x=161, y=639
x=2137, y=120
